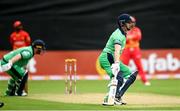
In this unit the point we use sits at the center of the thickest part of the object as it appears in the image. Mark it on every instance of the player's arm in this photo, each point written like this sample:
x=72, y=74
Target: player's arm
x=15, y=58
x=117, y=53
x=28, y=39
x=8, y=66
x=115, y=66
x=139, y=34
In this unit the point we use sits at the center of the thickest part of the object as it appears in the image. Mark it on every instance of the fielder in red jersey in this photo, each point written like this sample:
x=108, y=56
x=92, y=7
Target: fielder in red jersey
x=132, y=51
x=19, y=38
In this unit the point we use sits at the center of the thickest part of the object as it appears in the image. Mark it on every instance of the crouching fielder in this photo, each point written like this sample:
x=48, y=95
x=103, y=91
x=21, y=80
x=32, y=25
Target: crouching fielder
x=109, y=61
x=14, y=64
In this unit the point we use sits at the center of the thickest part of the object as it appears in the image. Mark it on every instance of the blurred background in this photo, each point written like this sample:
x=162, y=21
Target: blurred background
x=80, y=29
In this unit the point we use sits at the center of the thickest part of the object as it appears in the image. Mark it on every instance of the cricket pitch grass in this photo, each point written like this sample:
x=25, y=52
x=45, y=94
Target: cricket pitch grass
x=49, y=95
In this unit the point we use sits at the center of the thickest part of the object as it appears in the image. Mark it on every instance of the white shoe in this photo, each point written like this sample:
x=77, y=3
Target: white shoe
x=23, y=94
x=147, y=83
x=106, y=103
x=118, y=101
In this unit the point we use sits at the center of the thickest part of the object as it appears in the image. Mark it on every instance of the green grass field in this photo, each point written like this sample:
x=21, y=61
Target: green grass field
x=170, y=88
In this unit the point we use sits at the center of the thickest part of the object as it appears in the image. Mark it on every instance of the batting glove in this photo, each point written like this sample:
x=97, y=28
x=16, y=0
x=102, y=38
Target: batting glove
x=6, y=67
x=115, y=68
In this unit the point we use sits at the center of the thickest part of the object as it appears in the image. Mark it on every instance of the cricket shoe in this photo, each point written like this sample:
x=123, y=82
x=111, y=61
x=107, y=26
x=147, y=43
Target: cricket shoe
x=106, y=103
x=118, y=101
x=23, y=94
x=147, y=83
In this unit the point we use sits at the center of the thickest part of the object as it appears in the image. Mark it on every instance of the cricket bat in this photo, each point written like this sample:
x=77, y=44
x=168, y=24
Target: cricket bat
x=112, y=91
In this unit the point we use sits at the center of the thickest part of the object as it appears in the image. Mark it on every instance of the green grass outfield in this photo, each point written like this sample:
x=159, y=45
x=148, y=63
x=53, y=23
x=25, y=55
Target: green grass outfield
x=169, y=87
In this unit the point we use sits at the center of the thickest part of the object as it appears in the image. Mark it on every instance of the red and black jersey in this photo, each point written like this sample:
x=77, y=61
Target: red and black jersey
x=20, y=39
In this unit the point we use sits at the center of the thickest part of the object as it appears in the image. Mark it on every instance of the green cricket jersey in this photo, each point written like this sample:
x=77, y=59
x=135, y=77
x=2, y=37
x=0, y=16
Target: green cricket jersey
x=26, y=54
x=116, y=38
x=106, y=58
x=18, y=68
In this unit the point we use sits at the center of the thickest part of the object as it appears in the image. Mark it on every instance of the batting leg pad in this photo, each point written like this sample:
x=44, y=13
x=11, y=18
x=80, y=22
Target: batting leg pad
x=22, y=84
x=128, y=83
x=11, y=88
x=120, y=82
x=109, y=100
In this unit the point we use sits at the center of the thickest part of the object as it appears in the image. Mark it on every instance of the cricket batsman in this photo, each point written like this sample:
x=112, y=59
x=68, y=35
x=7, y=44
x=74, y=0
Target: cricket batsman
x=14, y=63
x=121, y=77
x=132, y=51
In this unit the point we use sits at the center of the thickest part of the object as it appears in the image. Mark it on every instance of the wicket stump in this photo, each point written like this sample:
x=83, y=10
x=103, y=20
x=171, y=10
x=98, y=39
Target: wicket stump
x=70, y=75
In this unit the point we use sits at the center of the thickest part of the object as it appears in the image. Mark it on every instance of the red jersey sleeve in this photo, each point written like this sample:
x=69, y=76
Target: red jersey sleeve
x=27, y=38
